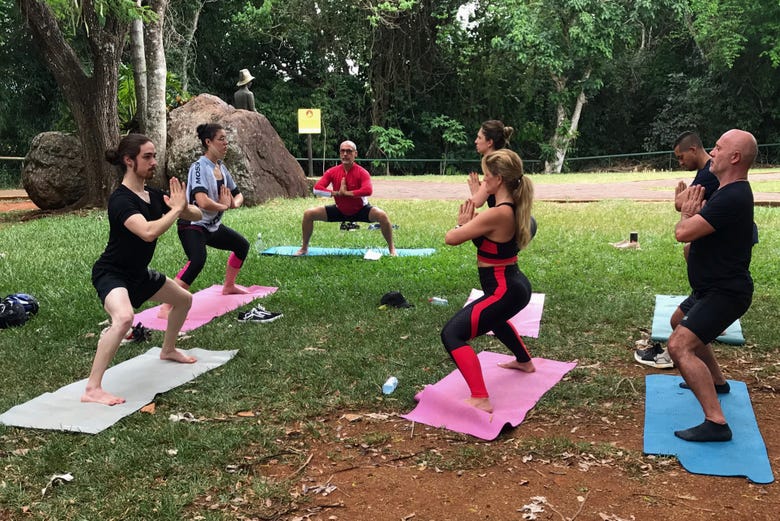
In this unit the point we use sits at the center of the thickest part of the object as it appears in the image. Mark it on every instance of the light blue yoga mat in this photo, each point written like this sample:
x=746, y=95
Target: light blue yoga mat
x=670, y=408
x=290, y=251
x=665, y=306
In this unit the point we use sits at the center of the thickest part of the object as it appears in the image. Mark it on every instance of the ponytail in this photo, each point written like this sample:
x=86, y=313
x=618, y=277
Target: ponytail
x=509, y=166
x=523, y=197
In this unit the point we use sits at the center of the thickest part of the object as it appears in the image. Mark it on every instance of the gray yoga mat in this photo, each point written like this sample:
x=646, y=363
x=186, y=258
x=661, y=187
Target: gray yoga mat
x=137, y=380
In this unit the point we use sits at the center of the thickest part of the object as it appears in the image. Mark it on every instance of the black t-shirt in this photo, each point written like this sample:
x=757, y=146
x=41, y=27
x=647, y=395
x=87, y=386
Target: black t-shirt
x=721, y=260
x=127, y=253
x=706, y=179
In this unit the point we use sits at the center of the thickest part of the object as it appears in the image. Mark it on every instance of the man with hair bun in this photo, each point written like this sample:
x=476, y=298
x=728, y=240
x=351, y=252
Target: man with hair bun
x=137, y=216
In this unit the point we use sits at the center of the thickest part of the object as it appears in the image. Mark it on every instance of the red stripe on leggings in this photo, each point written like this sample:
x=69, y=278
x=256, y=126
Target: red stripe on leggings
x=479, y=307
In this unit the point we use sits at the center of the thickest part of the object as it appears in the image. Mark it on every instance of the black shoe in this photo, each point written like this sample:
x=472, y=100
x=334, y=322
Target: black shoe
x=349, y=226
x=654, y=356
x=719, y=388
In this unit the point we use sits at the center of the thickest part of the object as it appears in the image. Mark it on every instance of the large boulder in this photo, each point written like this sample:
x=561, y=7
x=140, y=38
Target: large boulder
x=53, y=173
x=256, y=157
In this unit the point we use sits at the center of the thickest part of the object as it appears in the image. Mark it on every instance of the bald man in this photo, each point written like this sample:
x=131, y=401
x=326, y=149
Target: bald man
x=350, y=186
x=721, y=237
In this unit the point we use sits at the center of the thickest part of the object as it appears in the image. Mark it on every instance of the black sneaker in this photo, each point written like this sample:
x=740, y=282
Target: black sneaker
x=258, y=314
x=654, y=356
x=349, y=226
x=719, y=388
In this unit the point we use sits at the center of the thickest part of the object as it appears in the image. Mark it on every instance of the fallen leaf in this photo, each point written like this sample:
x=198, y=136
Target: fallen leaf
x=246, y=414
x=149, y=408
x=57, y=479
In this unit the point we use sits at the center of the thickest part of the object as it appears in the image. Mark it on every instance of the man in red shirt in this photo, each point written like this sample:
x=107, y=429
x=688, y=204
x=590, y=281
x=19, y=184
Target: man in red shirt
x=350, y=187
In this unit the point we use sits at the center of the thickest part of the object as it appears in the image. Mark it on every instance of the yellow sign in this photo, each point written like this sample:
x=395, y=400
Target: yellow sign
x=309, y=121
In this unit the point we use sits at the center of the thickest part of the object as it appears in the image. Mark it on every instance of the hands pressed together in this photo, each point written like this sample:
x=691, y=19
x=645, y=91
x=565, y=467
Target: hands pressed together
x=225, y=197
x=343, y=187
x=466, y=212
x=177, y=200
x=692, y=201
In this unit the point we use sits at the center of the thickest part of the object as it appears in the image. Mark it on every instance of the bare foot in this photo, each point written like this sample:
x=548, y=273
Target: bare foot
x=483, y=404
x=234, y=290
x=393, y=253
x=164, y=310
x=526, y=367
x=100, y=396
x=302, y=251
x=177, y=356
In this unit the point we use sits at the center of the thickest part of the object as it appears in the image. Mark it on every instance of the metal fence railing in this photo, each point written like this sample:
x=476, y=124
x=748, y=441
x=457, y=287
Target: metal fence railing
x=768, y=155
x=10, y=172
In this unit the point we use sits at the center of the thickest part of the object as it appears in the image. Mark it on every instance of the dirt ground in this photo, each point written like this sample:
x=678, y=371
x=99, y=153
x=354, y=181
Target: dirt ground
x=365, y=465
x=369, y=466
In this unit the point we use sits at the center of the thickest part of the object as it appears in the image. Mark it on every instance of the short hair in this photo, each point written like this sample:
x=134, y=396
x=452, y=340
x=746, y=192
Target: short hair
x=350, y=144
x=497, y=132
x=208, y=131
x=130, y=146
x=688, y=139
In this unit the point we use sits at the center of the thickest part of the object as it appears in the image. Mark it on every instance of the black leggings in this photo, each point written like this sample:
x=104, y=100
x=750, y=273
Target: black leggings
x=194, y=239
x=507, y=291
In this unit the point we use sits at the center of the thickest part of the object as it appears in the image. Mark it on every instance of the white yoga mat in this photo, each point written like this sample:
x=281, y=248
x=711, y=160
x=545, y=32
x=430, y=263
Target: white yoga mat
x=137, y=380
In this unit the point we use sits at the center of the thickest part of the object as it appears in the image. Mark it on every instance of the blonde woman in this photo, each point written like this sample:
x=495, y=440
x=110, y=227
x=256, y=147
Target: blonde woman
x=499, y=233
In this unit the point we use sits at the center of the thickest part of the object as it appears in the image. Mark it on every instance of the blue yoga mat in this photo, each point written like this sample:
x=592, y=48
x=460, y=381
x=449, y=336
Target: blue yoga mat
x=665, y=306
x=290, y=251
x=669, y=408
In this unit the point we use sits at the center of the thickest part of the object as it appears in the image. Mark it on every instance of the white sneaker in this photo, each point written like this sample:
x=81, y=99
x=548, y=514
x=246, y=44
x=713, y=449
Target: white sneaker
x=258, y=314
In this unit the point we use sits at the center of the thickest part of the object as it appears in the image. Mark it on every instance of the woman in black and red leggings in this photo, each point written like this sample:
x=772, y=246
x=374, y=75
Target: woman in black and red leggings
x=499, y=233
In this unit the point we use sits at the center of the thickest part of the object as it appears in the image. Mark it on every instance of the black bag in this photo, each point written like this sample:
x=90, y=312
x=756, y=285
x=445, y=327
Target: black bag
x=11, y=314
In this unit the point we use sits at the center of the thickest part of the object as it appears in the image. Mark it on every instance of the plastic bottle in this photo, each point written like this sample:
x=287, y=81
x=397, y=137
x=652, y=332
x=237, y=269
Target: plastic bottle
x=259, y=246
x=390, y=384
x=438, y=301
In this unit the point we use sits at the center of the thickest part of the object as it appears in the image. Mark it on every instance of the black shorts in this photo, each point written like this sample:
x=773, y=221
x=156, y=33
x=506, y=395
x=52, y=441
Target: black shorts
x=334, y=214
x=140, y=289
x=708, y=315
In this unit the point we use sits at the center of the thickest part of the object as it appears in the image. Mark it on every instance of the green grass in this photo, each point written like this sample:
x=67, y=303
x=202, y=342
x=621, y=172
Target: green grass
x=331, y=351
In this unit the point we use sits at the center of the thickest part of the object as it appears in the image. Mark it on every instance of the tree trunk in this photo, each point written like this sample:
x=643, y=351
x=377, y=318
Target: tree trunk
x=402, y=50
x=139, y=71
x=90, y=90
x=563, y=137
x=186, y=48
x=156, y=124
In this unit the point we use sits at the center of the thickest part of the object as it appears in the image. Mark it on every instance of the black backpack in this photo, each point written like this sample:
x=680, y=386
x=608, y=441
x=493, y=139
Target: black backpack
x=11, y=314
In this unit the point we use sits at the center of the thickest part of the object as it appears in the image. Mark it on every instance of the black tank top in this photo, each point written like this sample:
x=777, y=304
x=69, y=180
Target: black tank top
x=491, y=252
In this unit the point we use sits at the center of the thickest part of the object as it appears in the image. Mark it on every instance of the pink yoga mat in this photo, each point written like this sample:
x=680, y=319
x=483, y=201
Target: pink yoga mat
x=527, y=320
x=512, y=393
x=206, y=305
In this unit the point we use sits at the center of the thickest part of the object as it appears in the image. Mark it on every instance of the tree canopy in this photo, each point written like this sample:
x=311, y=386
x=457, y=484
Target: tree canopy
x=587, y=77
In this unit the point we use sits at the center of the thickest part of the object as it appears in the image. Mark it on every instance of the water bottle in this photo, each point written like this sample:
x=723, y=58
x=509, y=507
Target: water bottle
x=438, y=301
x=390, y=384
x=259, y=247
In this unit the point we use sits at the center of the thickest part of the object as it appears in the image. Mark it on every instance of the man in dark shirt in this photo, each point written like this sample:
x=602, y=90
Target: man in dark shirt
x=137, y=216
x=721, y=237
x=691, y=155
